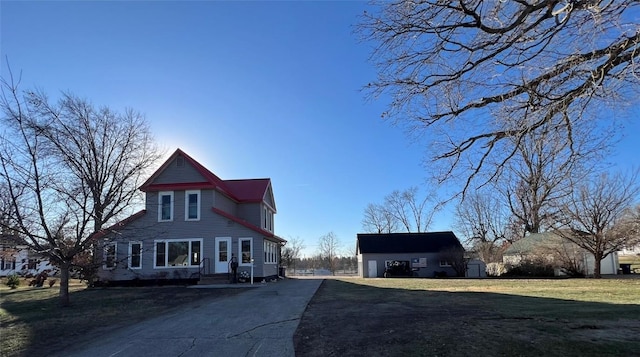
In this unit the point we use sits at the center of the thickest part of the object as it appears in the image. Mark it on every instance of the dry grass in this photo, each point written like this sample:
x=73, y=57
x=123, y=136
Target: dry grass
x=463, y=317
x=33, y=324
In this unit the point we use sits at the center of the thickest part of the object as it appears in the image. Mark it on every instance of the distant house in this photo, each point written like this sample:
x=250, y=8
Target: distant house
x=17, y=258
x=194, y=224
x=631, y=250
x=550, y=248
x=423, y=254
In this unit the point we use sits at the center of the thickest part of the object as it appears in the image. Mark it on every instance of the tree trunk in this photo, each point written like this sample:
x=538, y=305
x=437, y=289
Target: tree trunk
x=596, y=267
x=64, y=284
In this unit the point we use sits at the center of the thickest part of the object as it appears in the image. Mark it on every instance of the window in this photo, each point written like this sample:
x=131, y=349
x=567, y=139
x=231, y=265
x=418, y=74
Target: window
x=445, y=263
x=271, y=221
x=135, y=255
x=270, y=252
x=195, y=253
x=267, y=222
x=109, y=255
x=177, y=253
x=8, y=264
x=266, y=218
x=192, y=205
x=246, y=250
x=165, y=206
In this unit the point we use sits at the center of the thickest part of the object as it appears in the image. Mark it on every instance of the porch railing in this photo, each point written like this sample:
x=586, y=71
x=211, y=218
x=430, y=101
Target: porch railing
x=205, y=267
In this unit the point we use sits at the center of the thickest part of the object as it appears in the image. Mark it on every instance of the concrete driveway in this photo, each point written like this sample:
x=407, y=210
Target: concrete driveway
x=257, y=322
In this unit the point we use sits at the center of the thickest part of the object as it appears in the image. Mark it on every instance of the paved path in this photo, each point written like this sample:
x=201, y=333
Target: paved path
x=257, y=322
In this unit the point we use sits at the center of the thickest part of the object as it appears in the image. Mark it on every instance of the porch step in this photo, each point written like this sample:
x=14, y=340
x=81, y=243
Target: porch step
x=214, y=279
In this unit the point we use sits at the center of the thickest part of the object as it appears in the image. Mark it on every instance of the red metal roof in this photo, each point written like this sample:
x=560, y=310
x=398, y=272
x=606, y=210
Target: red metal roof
x=114, y=228
x=252, y=190
x=247, y=224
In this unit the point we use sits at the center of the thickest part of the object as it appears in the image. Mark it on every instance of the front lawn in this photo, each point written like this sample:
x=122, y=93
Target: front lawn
x=33, y=324
x=465, y=317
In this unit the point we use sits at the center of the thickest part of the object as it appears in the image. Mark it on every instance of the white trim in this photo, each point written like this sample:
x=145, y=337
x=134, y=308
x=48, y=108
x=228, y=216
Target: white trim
x=216, y=252
x=186, y=205
x=189, y=262
x=131, y=255
x=160, y=195
x=240, y=240
x=267, y=218
x=270, y=252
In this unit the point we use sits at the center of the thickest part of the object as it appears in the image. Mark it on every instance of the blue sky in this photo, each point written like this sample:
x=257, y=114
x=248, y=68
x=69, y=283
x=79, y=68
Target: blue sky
x=249, y=89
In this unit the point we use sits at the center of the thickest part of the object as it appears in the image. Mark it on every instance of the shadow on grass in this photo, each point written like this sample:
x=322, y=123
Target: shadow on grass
x=349, y=319
x=34, y=324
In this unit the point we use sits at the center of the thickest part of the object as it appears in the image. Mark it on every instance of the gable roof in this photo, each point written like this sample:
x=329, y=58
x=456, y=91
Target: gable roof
x=241, y=191
x=534, y=241
x=252, y=190
x=430, y=242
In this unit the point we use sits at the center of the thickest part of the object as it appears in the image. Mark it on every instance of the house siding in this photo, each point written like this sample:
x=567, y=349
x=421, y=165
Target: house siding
x=268, y=199
x=176, y=174
x=251, y=212
x=433, y=264
x=147, y=230
x=224, y=203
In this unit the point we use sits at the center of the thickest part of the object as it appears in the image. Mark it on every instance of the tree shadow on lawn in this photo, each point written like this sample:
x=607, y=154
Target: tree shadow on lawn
x=35, y=325
x=349, y=319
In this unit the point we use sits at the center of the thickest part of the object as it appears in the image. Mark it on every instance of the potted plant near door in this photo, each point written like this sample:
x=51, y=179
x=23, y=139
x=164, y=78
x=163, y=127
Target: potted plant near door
x=243, y=276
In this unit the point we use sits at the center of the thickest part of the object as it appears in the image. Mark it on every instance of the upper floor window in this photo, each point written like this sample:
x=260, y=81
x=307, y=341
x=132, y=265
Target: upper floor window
x=192, y=205
x=267, y=220
x=165, y=206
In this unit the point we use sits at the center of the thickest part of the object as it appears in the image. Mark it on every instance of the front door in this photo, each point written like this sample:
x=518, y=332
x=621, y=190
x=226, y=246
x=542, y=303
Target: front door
x=223, y=254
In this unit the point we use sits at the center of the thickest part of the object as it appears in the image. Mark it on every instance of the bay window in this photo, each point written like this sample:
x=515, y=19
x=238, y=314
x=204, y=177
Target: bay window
x=177, y=252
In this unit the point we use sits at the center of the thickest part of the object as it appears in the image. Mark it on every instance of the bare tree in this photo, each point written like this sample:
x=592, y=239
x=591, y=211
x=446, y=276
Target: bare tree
x=594, y=213
x=70, y=169
x=474, y=73
x=629, y=226
x=482, y=218
x=291, y=252
x=455, y=257
x=410, y=209
x=328, y=246
x=378, y=219
x=539, y=174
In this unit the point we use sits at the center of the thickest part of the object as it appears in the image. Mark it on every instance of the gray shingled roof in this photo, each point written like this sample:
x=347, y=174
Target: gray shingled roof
x=430, y=242
x=534, y=241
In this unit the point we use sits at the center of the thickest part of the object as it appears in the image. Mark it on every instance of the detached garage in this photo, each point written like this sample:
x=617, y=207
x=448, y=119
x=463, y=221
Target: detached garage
x=432, y=254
